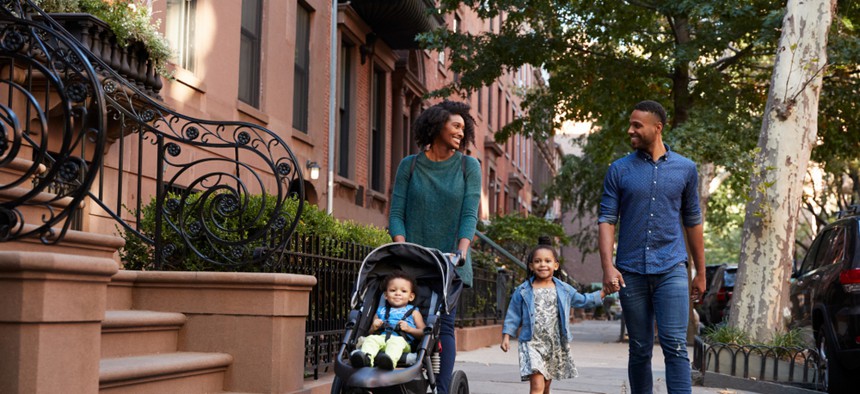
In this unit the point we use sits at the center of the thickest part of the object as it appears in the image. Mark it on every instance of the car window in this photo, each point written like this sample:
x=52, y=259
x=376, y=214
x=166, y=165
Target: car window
x=809, y=260
x=837, y=248
x=729, y=278
x=830, y=250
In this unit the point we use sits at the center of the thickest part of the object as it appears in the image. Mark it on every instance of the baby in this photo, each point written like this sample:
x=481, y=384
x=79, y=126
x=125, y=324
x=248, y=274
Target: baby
x=394, y=318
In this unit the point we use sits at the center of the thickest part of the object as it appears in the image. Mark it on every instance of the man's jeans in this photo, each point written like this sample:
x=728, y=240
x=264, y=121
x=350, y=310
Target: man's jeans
x=664, y=296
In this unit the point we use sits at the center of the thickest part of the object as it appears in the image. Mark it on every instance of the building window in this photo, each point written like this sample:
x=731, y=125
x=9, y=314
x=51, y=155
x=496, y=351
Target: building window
x=501, y=112
x=301, y=77
x=377, y=132
x=481, y=100
x=344, y=104
x=493, y=192
x=490, y=105
x=249, y=52
x=179, y=30
x=456, y=26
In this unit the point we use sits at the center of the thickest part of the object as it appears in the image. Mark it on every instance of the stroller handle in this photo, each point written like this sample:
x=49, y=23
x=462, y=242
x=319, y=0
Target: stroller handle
x=457, y=259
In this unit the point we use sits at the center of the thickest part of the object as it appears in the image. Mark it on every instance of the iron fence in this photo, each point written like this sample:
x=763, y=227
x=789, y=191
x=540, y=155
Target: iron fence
x=793, y=365
x=335, y=264
x=486, y=301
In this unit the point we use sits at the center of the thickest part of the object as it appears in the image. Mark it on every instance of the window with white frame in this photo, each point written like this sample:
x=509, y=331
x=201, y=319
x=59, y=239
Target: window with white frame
x=179, y=31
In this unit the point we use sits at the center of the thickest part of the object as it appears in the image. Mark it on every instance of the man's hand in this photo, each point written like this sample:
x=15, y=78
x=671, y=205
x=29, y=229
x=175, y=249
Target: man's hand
x=697, y=289
x=612, y=280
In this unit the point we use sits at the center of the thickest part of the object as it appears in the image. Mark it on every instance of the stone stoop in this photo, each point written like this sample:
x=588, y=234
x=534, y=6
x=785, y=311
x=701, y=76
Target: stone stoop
x=139, y=355
x=135, y=333
x=179, y=372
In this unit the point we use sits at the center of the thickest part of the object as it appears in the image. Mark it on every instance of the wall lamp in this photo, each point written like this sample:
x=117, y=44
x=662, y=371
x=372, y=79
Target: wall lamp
x=368, y=47
x=313, y=169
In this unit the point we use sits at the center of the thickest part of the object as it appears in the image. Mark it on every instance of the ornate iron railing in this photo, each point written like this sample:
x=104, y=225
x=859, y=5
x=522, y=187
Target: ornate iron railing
x=73, y=129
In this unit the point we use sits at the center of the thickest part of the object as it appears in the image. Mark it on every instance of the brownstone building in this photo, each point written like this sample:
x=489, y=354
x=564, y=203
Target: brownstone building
x=269, y=63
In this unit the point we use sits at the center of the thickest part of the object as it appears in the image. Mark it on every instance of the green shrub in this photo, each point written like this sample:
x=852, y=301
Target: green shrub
x=723, y=333
x=230, y=234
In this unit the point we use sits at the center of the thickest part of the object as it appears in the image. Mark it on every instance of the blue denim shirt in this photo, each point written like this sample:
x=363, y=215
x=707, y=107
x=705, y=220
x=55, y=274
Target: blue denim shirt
x=521, y=310
x=651, y=199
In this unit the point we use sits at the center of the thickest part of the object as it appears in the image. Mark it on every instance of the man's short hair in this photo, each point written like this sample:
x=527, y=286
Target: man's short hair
x=652, y=107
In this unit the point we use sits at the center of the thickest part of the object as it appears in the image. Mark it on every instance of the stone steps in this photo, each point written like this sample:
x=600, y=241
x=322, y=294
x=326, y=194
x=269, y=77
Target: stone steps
x=178, y=372
x=139, y=354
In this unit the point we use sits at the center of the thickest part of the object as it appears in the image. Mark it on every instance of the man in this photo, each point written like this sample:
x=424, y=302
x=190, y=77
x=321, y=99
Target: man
x=653, y=193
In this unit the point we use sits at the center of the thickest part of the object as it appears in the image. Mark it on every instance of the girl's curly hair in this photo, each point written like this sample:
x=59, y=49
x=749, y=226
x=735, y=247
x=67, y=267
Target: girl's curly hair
x=428, y=125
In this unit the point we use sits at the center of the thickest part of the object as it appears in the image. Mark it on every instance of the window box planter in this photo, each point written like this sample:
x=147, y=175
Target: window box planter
x=132, y=62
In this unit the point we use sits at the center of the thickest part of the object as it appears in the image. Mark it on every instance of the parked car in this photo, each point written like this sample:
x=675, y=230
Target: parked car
x=715, y=303
x=825, y=299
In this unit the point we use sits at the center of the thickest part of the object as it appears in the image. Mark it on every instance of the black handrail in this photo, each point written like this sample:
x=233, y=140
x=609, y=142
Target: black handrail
x=52, y=79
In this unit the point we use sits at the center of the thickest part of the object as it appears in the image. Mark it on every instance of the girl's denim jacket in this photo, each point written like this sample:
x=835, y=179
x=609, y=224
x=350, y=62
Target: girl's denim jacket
x=521, y=310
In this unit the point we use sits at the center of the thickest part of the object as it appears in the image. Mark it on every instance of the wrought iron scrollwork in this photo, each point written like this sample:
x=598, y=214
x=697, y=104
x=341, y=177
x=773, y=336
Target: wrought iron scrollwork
x=186, y=188
x=52, y=125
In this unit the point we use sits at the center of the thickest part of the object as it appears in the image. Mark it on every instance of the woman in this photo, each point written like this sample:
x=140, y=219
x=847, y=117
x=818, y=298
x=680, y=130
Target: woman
x=435, y=200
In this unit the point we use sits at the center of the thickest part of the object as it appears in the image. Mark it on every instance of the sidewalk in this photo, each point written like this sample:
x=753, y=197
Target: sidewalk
x=600, y=360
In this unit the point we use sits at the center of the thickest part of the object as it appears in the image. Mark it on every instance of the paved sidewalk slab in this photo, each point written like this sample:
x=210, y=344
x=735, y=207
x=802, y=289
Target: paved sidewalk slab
x=600, y=360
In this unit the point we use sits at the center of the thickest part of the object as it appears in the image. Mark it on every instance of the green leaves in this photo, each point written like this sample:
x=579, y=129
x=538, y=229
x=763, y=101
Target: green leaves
x=708, y=62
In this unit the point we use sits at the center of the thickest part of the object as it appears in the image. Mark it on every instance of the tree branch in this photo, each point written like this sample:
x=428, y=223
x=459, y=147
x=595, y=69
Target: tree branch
x=728, y=61
x=642, y=4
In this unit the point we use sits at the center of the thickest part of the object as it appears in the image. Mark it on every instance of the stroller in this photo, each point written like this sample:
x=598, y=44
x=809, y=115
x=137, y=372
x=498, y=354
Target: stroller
x=437, y=292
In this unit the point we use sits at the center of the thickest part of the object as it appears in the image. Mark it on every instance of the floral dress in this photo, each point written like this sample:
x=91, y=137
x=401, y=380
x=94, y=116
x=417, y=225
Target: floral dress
x=546, y=353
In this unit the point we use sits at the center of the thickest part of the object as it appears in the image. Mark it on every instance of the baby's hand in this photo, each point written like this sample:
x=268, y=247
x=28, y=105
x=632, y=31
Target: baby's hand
x=402, y=325
x=377, y=322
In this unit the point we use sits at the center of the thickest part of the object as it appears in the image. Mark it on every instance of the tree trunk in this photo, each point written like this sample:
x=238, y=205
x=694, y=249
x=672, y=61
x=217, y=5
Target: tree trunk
x=788, y=132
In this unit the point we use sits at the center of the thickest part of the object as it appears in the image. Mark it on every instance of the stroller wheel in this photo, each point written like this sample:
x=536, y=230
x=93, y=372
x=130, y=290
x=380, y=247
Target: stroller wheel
x=459, y=383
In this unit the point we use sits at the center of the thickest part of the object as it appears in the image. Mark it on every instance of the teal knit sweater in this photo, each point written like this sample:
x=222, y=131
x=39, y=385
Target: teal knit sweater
x=437, y=207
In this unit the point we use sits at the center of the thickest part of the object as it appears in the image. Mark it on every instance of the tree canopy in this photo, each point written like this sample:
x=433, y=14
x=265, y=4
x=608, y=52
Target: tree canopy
x=708, y=62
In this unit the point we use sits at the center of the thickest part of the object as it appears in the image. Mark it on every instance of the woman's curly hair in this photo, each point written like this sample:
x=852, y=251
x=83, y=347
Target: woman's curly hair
x=430, y=123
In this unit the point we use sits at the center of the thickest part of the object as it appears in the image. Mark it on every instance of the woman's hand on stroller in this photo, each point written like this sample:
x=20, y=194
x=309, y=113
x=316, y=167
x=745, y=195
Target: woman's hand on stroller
x=458, y=258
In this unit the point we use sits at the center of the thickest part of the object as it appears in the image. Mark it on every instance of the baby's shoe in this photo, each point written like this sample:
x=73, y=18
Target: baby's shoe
x=359, y=359
x=383, y=361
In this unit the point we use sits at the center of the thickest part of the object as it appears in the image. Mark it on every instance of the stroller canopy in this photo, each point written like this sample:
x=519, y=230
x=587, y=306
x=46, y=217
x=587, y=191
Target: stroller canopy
x=415, y=259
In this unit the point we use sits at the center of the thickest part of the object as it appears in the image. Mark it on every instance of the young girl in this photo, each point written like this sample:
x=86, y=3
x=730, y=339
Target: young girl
x=541, y=306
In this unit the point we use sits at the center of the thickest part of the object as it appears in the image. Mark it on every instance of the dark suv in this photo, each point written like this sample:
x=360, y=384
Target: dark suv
x=715, y=303
x=825, y=298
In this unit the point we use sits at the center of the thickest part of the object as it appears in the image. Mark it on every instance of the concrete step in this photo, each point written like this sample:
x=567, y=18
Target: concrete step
x=135, y=333
x=181, y=372
x=17, y=167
